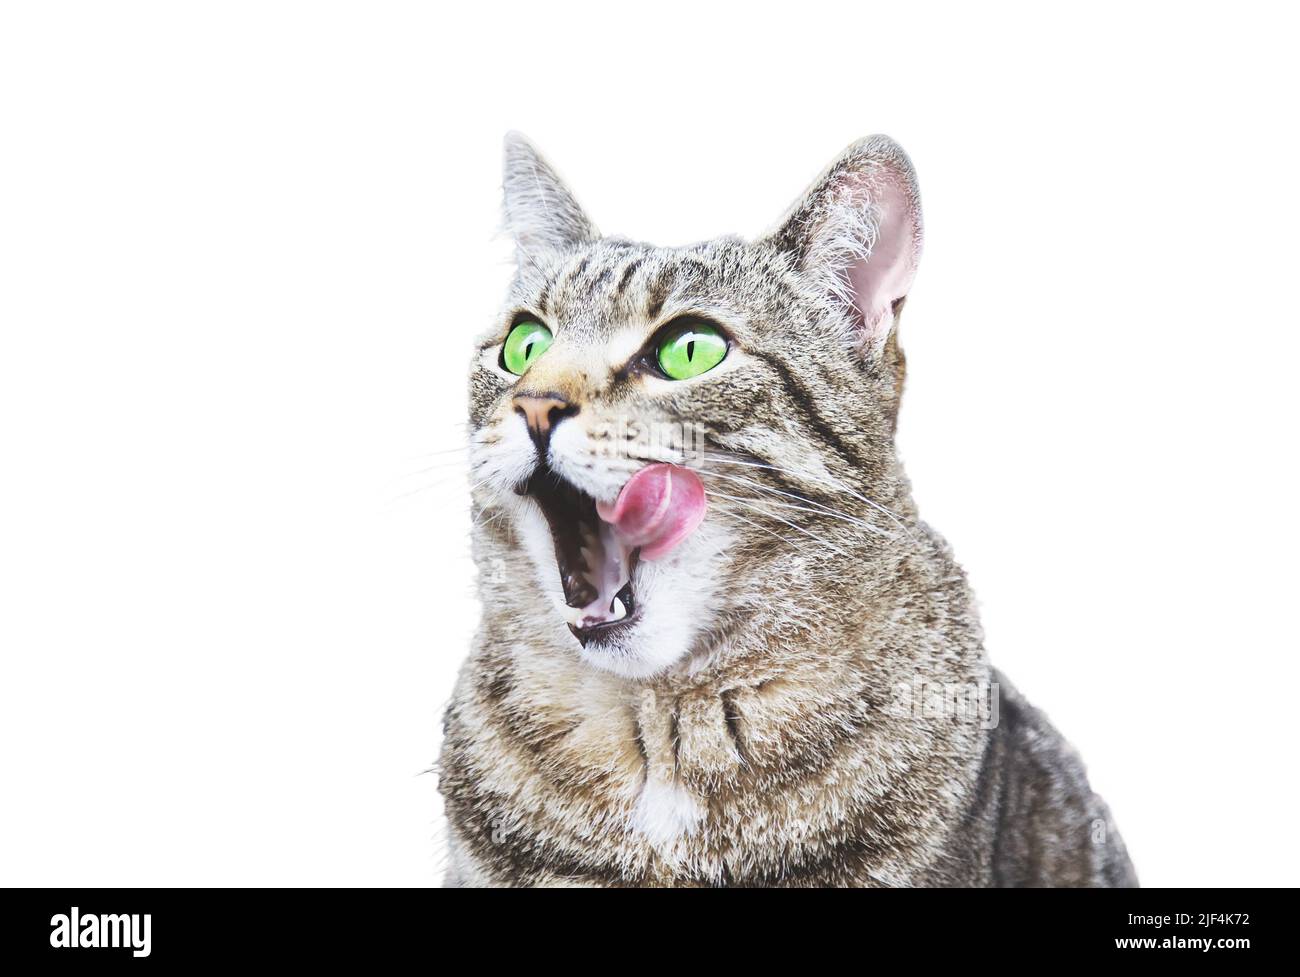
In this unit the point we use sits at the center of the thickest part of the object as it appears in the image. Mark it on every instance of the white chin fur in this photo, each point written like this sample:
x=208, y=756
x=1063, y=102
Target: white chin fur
x=675, y=600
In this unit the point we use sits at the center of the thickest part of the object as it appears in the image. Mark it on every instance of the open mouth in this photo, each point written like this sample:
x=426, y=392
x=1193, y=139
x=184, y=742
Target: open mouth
x=595, y=562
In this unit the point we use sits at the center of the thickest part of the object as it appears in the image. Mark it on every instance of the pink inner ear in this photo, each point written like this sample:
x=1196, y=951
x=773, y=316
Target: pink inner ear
x=885, y=276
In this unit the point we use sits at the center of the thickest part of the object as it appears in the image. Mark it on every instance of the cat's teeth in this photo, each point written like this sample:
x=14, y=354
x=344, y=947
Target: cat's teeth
x=618, y=610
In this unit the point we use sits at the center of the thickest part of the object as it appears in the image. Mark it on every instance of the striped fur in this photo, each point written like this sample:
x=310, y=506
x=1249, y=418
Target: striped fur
x=755, y=728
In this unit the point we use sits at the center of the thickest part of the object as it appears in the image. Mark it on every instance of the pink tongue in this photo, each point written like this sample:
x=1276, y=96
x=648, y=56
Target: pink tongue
x=658, y=508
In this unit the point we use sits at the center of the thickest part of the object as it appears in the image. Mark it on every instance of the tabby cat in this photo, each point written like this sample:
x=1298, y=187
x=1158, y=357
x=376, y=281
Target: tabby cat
x=718, y=646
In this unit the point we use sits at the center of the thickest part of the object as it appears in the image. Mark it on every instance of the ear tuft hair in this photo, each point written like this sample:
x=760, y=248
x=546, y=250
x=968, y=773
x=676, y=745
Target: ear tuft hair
x=857, y=231
x=540, y=212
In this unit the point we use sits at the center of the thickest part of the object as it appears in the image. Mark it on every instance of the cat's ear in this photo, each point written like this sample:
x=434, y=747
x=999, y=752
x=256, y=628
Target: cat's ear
x=857, y=231
x=540, y=212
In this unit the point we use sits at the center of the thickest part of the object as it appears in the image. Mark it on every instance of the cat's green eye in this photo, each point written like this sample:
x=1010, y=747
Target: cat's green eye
x=690, y=350
x=527, y=341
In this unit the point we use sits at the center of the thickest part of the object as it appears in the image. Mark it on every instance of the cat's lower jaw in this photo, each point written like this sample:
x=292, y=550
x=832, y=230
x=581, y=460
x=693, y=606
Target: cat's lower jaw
x=632, y=616
x=665, y=604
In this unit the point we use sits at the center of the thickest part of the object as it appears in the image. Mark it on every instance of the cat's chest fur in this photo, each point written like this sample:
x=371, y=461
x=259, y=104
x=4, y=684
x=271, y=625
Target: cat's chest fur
x=799, y=761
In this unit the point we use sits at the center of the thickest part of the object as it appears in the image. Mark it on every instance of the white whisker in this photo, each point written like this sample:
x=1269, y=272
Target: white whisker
x=721, y=459
x=723, y=511
x=820, y=509
x=749, y=504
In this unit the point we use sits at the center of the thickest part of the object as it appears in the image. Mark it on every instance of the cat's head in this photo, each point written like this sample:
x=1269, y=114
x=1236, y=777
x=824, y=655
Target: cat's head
x=768, y=368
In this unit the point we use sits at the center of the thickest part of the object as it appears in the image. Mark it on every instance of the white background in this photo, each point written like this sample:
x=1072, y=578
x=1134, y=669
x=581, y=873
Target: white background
x=243, y=251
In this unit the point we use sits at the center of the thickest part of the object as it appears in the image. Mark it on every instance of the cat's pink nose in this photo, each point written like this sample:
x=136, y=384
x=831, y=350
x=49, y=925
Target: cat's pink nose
x=541, y=412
